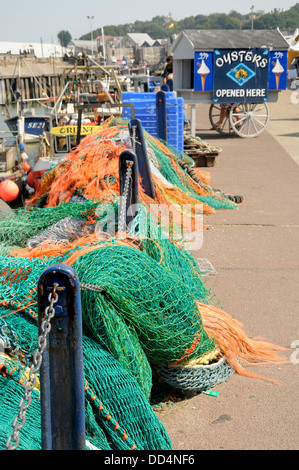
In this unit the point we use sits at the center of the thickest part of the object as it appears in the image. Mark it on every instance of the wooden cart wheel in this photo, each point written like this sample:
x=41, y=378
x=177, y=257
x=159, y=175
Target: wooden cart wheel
x=219, y=118
x=249, y=119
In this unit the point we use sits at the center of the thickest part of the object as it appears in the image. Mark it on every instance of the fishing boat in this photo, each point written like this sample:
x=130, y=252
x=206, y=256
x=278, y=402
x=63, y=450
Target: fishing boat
x=13, y=191
x=32, y=124
x=27, y=122
x=61, y=136
x=7, y=155
x=90, y=95
x=80, y=84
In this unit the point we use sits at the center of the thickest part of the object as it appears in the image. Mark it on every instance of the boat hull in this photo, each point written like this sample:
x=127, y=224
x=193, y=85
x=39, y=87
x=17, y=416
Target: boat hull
x=33, y=127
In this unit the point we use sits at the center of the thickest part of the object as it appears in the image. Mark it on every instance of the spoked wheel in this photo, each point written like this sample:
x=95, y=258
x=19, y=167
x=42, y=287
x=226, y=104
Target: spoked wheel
x=249, y=119
x=219, y=118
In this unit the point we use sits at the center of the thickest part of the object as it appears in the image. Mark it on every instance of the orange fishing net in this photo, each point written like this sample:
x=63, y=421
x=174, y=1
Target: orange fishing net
x=92, y=170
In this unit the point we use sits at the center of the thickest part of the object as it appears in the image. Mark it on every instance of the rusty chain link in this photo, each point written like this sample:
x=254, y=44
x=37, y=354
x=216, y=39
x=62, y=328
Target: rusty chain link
x=25, y=402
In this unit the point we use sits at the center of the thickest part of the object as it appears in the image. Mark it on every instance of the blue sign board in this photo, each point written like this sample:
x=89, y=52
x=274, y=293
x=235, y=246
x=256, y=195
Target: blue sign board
x=203, y=71
x=278, y=70
x=240, y=75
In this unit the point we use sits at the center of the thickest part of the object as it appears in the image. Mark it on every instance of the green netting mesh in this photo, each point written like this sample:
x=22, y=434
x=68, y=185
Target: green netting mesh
x=145, y=314
x=154, y=301
x=110, y=391
x=16, y=229
x=215, y=199
x=11, y=394
x=174, y=257
x=142, y=304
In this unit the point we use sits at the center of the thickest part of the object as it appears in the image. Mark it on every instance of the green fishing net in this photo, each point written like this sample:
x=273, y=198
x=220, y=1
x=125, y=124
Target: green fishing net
x=23, y=223
x=109, y=391
x=143, y=315
x=214, y=198
x=146, y=312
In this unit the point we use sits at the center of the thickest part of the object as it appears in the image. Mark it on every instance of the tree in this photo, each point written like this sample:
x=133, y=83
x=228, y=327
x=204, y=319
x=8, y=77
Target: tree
x=268, y=21
x=64, y=38
x=201, y=21
x=235, y=14
x=158, y=27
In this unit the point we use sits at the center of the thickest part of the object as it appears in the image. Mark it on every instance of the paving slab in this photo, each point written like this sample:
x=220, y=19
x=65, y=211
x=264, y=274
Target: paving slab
x=254, y=251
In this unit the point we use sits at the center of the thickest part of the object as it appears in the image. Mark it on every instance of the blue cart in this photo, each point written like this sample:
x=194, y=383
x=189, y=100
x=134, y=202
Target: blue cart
x=237, y=72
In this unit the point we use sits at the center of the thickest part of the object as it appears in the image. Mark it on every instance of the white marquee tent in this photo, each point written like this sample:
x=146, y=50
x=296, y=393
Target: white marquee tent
x=39, y=49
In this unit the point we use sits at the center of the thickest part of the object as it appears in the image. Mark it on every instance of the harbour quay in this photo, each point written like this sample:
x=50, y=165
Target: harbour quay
x=29, y=76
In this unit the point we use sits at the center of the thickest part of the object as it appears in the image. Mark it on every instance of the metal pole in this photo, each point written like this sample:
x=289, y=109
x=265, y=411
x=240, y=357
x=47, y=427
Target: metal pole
x=80, y=109
x=91, y=35
x=98, y=104
x=104, y=46
x=252, y=9
x=62, y=374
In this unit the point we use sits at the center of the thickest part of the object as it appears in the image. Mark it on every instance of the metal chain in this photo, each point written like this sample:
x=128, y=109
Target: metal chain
x=123, y=202
x=35, y=366
x=134, y=139
x=91, y=287
x=149, y=150
x=8, y=337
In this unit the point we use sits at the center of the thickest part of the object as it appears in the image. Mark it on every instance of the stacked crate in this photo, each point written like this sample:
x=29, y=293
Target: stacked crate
x=145, y=111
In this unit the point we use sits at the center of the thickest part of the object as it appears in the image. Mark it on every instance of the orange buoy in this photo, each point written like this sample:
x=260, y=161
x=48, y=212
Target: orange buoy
x=9, y=190
x=32, y=180
x=34, y=177
x=26, y=167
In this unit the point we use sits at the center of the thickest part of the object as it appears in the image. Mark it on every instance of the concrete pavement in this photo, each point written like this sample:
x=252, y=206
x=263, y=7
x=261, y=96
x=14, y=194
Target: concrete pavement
x=283, y=125
x=255, y=251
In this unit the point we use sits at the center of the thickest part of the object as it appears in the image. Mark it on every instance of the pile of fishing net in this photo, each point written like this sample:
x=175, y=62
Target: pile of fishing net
x=153, y=319
x=150, y=320
x=117, y=415
x=92, y=170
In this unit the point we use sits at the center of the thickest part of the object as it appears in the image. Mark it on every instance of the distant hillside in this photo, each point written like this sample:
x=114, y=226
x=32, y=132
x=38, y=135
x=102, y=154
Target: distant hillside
x=161, y=27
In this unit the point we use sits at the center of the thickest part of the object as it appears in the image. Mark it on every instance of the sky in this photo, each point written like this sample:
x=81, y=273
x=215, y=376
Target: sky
x=33, y=20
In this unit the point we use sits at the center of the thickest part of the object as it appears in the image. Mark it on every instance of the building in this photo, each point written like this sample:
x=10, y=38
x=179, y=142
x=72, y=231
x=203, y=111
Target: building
x=37, y=49
x=77, y=46
x=137, y=40
x=190, y=41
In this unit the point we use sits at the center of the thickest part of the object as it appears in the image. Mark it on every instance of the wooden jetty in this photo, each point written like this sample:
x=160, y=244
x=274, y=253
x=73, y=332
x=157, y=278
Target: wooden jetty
x=32, y=77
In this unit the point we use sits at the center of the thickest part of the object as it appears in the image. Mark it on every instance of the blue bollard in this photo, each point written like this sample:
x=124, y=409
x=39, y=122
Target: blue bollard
x=161, y=114
x=62, y=373
x=136, y=131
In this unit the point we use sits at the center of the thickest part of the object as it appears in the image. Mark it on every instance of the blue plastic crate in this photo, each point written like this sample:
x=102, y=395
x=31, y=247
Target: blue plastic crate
x=145, y=111
x=133, y=95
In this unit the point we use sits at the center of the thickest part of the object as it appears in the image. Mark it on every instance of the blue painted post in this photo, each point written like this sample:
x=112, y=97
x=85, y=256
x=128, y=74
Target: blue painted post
x=137, y=137
x=61, y=373
x=130, y=204
x=161, y=114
